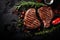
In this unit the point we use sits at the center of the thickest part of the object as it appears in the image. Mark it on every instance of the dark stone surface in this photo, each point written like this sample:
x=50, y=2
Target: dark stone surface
x=6, y=18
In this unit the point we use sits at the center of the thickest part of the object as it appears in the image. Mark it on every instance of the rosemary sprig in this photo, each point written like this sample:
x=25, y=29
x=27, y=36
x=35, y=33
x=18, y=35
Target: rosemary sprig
x=31, y=4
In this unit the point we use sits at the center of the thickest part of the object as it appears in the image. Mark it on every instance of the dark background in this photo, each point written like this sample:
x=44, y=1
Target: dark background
x=7, y=20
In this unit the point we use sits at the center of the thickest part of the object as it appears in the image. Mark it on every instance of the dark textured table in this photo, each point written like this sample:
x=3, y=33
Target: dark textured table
x=6, y=17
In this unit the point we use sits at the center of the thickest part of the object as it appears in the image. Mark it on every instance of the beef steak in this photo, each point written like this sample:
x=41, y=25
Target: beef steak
x=46, y=15
x=30, y=19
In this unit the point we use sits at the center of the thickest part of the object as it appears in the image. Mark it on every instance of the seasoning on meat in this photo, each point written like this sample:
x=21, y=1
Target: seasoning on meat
x=30, y=19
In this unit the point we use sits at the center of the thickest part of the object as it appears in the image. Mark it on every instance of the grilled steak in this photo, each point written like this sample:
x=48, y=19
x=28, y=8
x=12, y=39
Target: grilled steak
x=30, y=19
x=46, y=15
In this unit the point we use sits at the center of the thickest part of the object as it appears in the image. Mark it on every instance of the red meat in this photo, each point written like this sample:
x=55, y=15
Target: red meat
x=46, y=15
x=30, y=19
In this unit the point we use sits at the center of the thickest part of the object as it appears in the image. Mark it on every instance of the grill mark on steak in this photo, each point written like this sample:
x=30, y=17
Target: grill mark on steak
x=46, y=15
x=45, y=12
x=30, y=19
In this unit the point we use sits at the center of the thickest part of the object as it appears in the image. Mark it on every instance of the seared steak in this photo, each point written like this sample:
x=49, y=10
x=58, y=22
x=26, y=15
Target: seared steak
x=30, y=19
x=46, y=15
